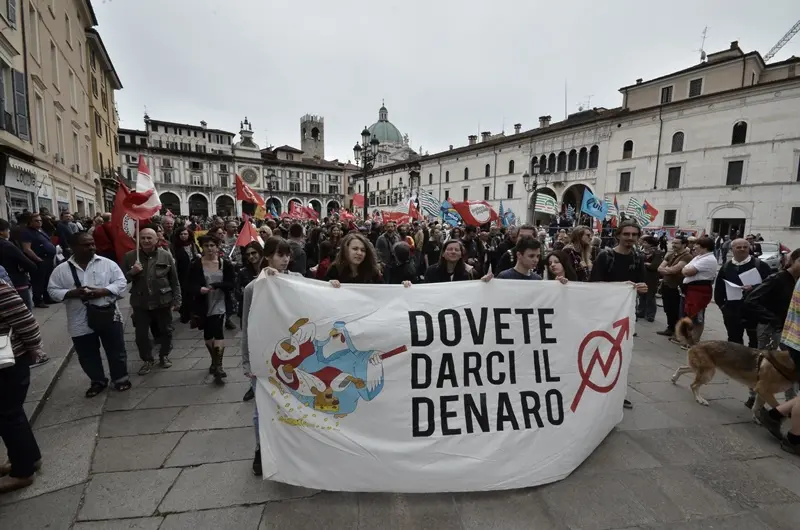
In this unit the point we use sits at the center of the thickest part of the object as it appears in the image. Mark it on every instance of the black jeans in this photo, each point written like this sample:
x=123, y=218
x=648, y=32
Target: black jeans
x=646, y=306
x=88, y=349
x=40, y=279
x=671, y=298
x=23, y=451
x=732, y=318
x=143, y=320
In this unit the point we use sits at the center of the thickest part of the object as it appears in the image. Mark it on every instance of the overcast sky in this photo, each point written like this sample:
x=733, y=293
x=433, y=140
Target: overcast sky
x=446, y=68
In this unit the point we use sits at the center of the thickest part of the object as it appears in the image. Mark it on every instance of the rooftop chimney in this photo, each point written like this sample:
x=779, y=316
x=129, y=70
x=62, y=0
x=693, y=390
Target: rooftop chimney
x=734, y=44
x=485, y=135
x=639, y=81
x=451, y=147
x=203, y=124
x=544, y=121
x=473, y=139
x=517, y=128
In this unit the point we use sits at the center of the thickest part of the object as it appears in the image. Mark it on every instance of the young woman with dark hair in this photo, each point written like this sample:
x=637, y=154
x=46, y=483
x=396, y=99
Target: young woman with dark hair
x=356, y=262
x=558, y=266
x=210, y=279
x=326, y=255
x=311, y=247
x=252, y=263
x=185, y=251
x=451, y=266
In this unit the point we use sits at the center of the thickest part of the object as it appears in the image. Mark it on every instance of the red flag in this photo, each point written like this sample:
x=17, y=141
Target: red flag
x=358, y=200
x=123, y=227
x=650, y=210
x=248, y=233
x=412, y=211
x=397, y=217
x=245, y=193
x=143, y=203
x=344, y=215
x=309, y=213
x=475, y=213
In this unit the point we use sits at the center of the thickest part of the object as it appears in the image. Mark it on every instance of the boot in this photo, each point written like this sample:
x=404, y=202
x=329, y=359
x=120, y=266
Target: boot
x=213, y=355
x=220, y=351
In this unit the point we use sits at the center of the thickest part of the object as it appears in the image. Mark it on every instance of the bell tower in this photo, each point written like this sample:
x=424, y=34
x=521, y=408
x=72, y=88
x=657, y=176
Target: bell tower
x=312, y=136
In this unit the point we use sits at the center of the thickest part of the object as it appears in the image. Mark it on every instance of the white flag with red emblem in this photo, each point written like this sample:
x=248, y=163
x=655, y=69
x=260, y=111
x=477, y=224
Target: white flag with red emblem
x=143, y=203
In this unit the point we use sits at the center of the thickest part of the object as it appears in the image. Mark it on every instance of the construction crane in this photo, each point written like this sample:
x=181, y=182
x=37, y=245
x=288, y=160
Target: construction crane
x=781, y=43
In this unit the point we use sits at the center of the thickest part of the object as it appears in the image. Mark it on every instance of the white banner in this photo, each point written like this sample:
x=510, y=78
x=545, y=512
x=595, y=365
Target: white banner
x=462, y=386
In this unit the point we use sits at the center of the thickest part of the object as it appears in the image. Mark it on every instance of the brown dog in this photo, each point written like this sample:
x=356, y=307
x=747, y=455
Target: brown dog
x=746, y=365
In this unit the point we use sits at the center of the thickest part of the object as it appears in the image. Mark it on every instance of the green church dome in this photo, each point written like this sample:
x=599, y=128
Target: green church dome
x=384, y=131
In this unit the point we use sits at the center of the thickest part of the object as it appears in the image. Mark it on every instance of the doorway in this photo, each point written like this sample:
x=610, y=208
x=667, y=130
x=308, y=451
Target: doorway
x=728, y=227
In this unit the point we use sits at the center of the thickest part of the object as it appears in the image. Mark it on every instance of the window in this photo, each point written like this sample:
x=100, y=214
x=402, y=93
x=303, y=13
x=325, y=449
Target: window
x=41, y=122
x=68, y=29
x=582, y=158
x=670, y=217
x=33, y=35
x=104, y=99
x=572, y=160
x=167, y=177
x=223, y=167
x=143, y=141
x=735, y=170
x=98, y=125
x=333, y=189
x=739, y=135
x=294, y=186
x=486, y=193
x=9, y=11
x=388, y=184
x=80, y=54
x=674, y=178
x=594, y=157
x=794, y=220
x=14, y=103
x=196, y=166
x=76, y=152
x=666, y=95
x=289, y=156
x=627, y=149
x=677, y=142
x=54, y=63
x=94, y=86
x=197, y=179
x=447, y=195
x=625, y=181
x=561, y=164
x=695, y=87
x=510, y=191
x=466, y=194
x=92, y=60
x=447, y=176
x=798, y=170
x=73, y=91
x=60, y=139
x=551, y=163
x=466, y=174
x=430, y=178
x=486, y=170
x=223, y=181
x=314, y=187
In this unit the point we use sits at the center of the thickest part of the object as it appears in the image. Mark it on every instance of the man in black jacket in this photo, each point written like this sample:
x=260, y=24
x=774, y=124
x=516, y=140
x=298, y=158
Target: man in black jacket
x=741, y=262
x=509, y=258
x=16, y=264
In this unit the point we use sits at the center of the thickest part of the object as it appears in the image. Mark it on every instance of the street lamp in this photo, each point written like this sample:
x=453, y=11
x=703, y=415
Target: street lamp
x=271, y=181
x=532, y=183
x=365, y=154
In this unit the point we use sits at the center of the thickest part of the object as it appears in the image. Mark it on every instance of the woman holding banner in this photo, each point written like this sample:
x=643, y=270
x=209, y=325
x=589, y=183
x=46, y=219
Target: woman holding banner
x=356, y=262
x=451, y=266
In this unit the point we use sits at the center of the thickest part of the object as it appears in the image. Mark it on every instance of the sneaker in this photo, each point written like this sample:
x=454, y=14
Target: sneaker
x=627, y=404
x=40, y=360
x=772, y=425
x=257, y=471
x=650, y=319
x=164, y=362
x=786, y=445
x=146, y=367
x=665, y=332
x=249, y=394
x=750, y=402
x=9, y=484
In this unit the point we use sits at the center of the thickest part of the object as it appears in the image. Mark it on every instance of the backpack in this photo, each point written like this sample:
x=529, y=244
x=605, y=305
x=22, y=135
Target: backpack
x=638, y=259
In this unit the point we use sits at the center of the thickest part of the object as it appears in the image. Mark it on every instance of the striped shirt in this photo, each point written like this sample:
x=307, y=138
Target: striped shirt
x=15, y=318
x=791, y=327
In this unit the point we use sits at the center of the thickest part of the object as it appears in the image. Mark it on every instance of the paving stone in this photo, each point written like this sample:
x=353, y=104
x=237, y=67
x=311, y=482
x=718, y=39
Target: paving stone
x=133, y=422
x=225, y=484
x=127, y=400
x=221, y=416
x=195, y=395
x=128, y=453
x=54, y=511
x=66, y=454
x=407, y=511
x=637, y=397
x=777, y=470
x=665, y=391
x=204, y=447
x=783, y=517
x=68, y=402
x=163, y=378
x=338, y=510
x=521, y=509
x=126, y=494
x=650, y=373
x=688, y=496
x=141, y=523
x=691, y=413
x=238, y=518
x=740, y=485
x=745, y=521
x=646, y=416
x=617, y=452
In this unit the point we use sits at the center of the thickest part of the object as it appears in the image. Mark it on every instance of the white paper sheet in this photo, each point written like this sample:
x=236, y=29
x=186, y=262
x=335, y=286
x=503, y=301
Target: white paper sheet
x=732, y=291
x=751, y=277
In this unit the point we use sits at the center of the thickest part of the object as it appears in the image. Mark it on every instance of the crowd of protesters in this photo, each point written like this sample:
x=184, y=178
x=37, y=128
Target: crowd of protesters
x=195, y=267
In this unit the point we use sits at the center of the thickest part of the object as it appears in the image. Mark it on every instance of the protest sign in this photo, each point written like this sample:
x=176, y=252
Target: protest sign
x=464, y=386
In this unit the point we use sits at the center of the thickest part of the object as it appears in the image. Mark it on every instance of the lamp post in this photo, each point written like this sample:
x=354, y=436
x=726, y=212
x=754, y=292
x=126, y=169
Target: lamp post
x=366, y=154
x=271, y=181
x=532, y=183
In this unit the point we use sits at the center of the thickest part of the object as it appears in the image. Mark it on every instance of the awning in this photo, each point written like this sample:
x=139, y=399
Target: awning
x=25, y=167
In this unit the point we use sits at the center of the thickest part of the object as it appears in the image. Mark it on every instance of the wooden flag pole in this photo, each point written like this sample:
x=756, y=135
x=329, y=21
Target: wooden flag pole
x=137, y=240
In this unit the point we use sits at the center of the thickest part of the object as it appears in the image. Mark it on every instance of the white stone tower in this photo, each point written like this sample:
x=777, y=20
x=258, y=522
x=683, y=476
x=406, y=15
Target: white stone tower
x=312, y=136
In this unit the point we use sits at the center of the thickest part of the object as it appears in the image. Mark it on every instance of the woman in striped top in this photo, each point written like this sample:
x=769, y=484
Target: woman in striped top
x=23, y=452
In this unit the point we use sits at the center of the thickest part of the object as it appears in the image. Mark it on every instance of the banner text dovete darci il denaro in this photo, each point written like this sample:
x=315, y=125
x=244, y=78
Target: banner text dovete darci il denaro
x=469, y=371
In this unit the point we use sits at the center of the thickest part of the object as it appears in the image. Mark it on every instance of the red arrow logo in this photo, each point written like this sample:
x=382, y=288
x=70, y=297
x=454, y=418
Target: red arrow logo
x=623, y=333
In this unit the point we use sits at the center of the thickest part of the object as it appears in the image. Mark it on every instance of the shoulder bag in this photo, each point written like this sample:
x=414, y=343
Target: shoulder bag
x=98, y=316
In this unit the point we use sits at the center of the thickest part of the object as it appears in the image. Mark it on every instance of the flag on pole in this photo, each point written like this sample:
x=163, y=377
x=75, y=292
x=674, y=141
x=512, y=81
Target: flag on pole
x=546, y=204
x=248, y=234
x=273, y=211
x=570, y=212
x=143, y=203
x=449, y=215
x=639, y=213
x=428, y=203
x=593, y=206
x=650, y=212
x=502, y=213
x=358, y=200
x=123, y=227
x=246, y=194
x=475, y=213
x=412, y=211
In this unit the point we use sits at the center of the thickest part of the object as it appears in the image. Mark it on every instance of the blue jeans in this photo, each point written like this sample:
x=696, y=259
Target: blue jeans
x=88, y=349
x=255, y=413
x=27, y=297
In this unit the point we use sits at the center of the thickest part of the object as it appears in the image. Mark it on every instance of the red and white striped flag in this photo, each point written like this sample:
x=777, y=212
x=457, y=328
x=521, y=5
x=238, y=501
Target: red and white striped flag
x=143, y=203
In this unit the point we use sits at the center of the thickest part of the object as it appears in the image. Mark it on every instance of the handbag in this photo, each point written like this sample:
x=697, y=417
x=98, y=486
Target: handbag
x=98, y=317
x=7, y=359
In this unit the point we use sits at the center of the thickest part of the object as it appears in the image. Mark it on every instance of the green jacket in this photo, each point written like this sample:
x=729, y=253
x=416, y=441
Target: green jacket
x=157, y=284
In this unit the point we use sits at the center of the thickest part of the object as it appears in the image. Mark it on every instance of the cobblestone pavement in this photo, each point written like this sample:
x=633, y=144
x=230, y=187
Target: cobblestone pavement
x=175, y=452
